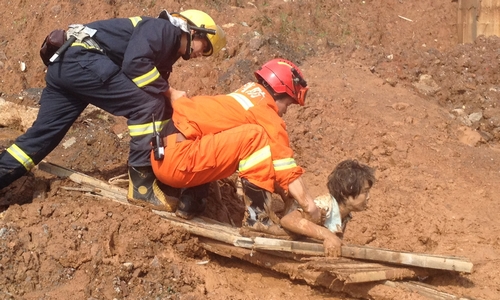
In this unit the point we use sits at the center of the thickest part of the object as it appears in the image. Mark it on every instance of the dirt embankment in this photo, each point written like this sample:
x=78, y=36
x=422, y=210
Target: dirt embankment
x=399, y=95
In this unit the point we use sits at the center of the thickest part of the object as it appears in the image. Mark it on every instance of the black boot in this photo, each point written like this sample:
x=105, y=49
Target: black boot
x=259, y=217
x=10, y=170
x=145, y=190
x=258, y=205
x=193, y=201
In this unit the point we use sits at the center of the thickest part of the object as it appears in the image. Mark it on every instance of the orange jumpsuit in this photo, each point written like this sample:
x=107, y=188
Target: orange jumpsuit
x=241, y=131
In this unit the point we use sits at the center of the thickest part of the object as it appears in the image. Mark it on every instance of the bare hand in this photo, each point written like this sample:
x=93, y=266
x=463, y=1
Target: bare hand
x=313, y=213
x=332, y=246
x=174, y=94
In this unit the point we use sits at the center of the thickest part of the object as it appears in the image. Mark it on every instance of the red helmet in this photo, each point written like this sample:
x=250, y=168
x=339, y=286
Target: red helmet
x=283, y=76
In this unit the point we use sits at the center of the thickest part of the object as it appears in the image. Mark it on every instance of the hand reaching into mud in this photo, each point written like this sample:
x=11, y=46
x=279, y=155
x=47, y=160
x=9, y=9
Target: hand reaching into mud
x=333, y=246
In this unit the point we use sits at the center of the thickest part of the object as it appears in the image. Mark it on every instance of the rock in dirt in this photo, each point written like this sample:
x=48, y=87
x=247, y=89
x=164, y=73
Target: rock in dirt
x=13, y=115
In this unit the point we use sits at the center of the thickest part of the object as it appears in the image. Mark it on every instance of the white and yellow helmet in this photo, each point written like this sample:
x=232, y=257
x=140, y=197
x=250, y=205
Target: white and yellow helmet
x=201, y=19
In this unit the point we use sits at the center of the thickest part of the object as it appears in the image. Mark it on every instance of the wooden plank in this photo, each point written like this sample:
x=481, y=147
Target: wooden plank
x=355, y=271
x=477, y=17
x=468, y=11
x=488, y=22
x=423, y=289
x=296, y=271
x=371, y=276
x=440, y=262
x=228, y=234
x=450, y=263
x=282, y=265
x=304, y=248
x=215, y=230
x=115, y=193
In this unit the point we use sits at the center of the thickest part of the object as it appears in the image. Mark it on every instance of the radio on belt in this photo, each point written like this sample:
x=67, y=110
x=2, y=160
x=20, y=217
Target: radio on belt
x=157, y=142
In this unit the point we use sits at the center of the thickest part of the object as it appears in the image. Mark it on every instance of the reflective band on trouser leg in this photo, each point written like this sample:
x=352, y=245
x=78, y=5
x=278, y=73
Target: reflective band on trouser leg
x=146, y=128
x=284, y=164
x=258, y=168
x=147, y=78
x=255, y=158
x=21, y=157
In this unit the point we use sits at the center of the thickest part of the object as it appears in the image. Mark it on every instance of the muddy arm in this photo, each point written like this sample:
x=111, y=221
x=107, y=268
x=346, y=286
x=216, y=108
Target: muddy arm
x=298, y=191
x=296, y=223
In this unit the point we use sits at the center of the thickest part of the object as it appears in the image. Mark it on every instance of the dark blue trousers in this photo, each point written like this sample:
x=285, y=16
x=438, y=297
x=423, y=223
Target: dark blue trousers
x=78, y=78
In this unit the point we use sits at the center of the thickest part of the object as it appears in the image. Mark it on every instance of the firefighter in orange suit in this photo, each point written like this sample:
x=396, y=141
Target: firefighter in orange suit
x=211, y=137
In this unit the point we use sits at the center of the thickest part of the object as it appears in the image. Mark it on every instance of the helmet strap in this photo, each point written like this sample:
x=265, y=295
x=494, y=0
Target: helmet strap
x=270, y=90
x=187, y=53
x=267, y=87
x=297, y=79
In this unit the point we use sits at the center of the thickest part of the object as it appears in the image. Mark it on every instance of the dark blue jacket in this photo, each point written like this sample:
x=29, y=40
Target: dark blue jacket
x=144, y=47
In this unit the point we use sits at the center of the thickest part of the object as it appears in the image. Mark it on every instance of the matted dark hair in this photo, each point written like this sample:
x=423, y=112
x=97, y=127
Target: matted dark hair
x=348, y=178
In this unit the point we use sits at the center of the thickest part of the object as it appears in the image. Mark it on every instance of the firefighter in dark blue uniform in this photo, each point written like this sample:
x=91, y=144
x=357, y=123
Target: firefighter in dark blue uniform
x=122, y=68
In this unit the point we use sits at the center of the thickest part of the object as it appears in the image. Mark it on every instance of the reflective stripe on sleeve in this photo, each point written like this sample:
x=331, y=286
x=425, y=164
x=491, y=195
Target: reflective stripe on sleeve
x=21, y=157
x=146, y=78
x=147, y=128
x=242, y=100
x=255, y=158
x=283, y=164
x=135, y=20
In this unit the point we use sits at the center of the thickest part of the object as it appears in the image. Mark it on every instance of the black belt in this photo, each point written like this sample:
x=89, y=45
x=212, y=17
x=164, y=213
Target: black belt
x=173, y=139
x=169, y=129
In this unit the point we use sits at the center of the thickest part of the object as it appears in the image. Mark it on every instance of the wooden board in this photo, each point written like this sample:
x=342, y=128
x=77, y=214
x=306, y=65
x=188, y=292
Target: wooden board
x=467, y=16
x=103, y=188
x=341, y=270
x=230, y=235
x=440, y=262
x=356, y=280
x=424, y=289
x=477, y=17
x=355, y=271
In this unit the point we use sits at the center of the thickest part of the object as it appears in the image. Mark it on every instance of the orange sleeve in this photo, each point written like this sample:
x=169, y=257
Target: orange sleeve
x=265, y=113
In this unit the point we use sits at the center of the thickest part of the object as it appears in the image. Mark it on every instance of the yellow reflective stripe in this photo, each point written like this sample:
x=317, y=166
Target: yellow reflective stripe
x=135, y=20
x=147, y=78
x=242, y=100
x=147, y=128
x=255, y=158
x=283, y=164
x=82, y=45
x=21, y=157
